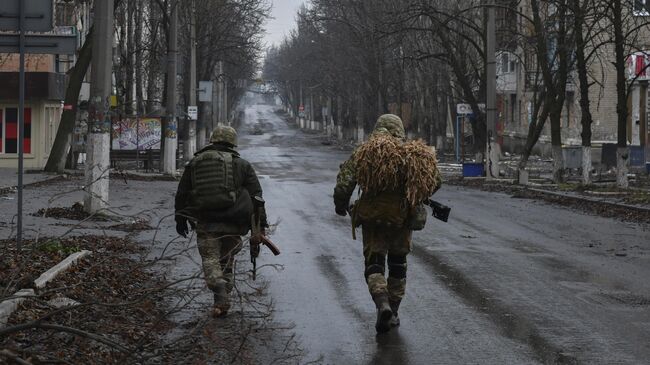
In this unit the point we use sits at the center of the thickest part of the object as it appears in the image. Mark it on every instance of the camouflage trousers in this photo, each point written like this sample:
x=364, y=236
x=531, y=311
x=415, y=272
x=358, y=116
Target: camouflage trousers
x=218, y=252
x=381, y=246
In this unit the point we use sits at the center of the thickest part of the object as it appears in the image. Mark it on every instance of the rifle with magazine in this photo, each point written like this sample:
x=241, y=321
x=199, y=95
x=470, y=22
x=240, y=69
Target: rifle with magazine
x=258, y=236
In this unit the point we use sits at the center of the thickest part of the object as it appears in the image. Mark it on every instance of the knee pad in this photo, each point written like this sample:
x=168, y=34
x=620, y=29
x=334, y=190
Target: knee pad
x=375, y=264
x=397, y=266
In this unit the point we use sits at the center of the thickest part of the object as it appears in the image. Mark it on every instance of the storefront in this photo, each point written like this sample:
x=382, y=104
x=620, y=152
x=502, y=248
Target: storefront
x=41, y=123
x=43, y=107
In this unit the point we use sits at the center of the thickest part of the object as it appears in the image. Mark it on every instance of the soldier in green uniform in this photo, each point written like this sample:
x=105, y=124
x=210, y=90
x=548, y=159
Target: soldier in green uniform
x=381, y=244
x=217, y=195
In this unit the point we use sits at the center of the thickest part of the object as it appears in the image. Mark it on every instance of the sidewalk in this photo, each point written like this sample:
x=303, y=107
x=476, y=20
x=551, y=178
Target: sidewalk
x=604, y=200
x=9, y=177
x=142, y=205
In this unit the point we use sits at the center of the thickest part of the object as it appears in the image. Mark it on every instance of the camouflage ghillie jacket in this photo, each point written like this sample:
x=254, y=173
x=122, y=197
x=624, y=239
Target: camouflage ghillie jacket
x=346, y=182
x=233, y=221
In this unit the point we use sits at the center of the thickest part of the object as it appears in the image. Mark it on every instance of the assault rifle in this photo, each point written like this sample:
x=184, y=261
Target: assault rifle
x=255, y=251
x=440, y=211
x=256, y=231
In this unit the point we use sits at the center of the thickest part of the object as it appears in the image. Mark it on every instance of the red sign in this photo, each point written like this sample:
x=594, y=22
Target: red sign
x=67, y=107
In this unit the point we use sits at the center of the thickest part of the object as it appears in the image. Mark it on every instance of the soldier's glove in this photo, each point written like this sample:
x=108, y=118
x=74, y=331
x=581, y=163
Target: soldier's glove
x=341, y=211
x=181, y=226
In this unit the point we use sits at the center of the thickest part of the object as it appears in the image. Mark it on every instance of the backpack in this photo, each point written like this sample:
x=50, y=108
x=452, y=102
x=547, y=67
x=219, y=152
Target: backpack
x=386, y=209
x=213, y=181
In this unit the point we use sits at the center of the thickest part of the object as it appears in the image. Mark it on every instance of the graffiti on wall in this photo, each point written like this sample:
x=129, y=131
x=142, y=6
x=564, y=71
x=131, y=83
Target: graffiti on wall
x=143, y=135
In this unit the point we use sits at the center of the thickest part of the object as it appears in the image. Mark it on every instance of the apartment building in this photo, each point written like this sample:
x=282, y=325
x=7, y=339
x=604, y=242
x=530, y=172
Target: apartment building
x=45, y=81
x=517, y=83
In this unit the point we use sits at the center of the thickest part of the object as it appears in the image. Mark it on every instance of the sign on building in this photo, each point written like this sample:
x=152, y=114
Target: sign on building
x=193, y=112
x=205, y=91
x=39, y=15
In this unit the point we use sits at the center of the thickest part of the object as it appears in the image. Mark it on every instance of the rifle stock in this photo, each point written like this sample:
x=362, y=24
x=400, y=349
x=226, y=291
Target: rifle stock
x=268, y=243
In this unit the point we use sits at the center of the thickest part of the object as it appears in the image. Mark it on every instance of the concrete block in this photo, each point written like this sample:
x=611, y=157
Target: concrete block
x=9, y=306
x=62, y=266
x=523, y=177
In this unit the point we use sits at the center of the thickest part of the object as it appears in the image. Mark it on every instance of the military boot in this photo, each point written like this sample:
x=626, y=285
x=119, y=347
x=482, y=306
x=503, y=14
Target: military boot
x=221, y=302
x=394, y=306
x=384, y=313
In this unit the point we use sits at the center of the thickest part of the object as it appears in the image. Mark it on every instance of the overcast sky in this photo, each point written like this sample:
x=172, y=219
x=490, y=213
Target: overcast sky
x=284, y=19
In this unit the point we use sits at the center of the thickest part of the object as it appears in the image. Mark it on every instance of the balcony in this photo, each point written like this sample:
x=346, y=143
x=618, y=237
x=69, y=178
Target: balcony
x=38, y=85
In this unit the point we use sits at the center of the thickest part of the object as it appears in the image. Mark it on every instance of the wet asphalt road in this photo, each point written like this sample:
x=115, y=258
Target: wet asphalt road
x=506, y=281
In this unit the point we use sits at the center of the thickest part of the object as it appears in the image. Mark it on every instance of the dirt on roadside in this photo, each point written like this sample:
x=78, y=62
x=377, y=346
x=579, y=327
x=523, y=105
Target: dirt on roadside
x=114, y=307
x=631, y=205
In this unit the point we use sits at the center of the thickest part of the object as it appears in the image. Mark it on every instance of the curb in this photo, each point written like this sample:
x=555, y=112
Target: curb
x=592, y=200
x=15, y=187
x=50, y=274
x=9, y=306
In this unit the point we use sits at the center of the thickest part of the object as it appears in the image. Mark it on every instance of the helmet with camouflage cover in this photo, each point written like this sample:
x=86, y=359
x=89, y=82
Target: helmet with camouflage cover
x=224, y=134
x=391, y=124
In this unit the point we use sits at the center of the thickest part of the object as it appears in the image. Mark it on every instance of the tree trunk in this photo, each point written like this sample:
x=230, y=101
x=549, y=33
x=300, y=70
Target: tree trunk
x=360, y=119
x=581, y=67
x=153, y=62
x=139, y=97
x=558, y=164
x=56, y=160
x=130, y=59
x=587, y=166
x=622, y=160
x=534, y=131
x=121, y=71
x=556, y=142
x=620, y=57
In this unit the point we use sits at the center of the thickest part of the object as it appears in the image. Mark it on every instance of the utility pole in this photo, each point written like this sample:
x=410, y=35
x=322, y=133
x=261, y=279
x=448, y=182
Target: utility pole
x=226, y=120
x=21, y=125
x=99, y=112
x=301, y=107
x=493, y=149
x=189, y=145
x=220, y=120
x=171, y=141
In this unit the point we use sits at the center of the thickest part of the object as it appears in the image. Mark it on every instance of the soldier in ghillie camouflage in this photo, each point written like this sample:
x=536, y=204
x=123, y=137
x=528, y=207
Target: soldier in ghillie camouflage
x=218, y=194
x=387, y=236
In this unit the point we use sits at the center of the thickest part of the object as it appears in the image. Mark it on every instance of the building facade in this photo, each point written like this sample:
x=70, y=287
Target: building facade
x=517, y=83
x=45, y=82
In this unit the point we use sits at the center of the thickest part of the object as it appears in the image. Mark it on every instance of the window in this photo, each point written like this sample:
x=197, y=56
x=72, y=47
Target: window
x=640, y=7
x=506, y=63
x=9, y=130
x=65, y=14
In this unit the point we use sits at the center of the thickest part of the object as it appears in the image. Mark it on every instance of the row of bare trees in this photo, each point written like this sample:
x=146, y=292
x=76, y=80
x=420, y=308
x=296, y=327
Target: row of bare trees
x=365, y=57
x=228, y=43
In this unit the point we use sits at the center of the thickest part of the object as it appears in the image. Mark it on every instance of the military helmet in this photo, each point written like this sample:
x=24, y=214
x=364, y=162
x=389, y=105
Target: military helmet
x=224, y=134
x=391, y=123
